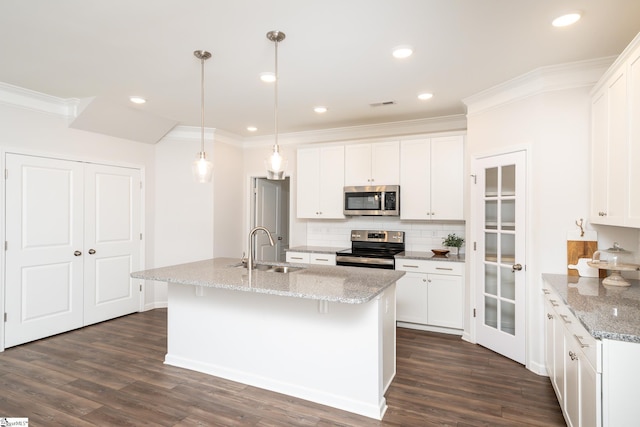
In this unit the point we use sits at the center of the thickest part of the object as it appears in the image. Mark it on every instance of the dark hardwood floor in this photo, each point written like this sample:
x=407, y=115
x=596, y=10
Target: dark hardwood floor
x=112, y=374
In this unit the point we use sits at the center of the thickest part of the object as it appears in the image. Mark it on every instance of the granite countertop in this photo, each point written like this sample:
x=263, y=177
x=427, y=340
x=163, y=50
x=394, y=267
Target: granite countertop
x=316, y=249
x=430, y=256
x=349, y=285
x=607, y=312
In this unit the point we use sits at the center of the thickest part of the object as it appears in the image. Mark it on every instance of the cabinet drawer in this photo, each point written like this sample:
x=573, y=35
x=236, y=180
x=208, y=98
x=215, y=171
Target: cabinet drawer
x=426, y=266
x=585, y=341
x=574, y=331
x=323, y=259
x=299, y=257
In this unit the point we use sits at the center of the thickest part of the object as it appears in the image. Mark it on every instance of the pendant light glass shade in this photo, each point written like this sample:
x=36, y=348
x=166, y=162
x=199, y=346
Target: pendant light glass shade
x=276, y=164
x=202, y=168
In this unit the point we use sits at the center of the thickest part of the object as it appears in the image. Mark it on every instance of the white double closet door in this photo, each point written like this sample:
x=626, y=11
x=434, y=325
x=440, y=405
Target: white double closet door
x=73, y=238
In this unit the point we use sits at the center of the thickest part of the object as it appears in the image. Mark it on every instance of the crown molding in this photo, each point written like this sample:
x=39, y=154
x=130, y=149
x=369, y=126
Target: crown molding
x=36, y=101
x=354, y=133
x=615, y=66
x=544, y=79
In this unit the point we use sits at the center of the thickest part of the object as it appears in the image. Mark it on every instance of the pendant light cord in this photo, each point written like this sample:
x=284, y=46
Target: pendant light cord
x=276, y=148
x=202, y=106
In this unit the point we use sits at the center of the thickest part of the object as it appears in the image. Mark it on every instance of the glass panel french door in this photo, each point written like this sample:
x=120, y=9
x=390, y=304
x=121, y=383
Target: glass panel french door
x=499, y=195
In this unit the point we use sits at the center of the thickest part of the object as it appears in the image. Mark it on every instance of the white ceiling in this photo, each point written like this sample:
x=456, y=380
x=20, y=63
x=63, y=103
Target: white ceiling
x=337, y=53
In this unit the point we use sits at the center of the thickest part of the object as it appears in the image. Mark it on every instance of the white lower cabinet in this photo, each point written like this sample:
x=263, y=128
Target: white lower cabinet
x=311, y=258
x=572, y=358
x=430, y=294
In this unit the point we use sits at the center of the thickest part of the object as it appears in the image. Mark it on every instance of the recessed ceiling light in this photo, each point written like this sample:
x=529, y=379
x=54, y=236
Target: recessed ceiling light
x=319, y=109
x=402, y=52
x=252, y=128
x=268, y=77
x=424, y=96
x=567, y=19
x=137, y=99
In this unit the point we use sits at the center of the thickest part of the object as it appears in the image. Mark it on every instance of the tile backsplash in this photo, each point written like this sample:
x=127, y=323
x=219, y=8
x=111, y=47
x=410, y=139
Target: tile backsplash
x=419, y=235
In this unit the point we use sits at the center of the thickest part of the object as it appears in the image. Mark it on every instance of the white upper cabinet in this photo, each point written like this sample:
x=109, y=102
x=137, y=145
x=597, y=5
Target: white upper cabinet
x=431, y=178
x=633, y=209
x=320, y=182
x=615, y=143
x=372, y=164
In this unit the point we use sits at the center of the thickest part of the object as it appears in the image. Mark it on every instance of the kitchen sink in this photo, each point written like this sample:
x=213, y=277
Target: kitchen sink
x=270, y=268
x=283, y=269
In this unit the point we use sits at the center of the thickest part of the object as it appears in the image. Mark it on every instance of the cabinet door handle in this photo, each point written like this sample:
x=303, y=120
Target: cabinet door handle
x=411, y=266
x=579, y=339
x=572, y=355
x=565, y=318
x=549, y=316
x=296, y=257
x=322, y=259
x=443, y=268
x=553, y=303
x=546, y=291
x=92, y=251
x=77, y=253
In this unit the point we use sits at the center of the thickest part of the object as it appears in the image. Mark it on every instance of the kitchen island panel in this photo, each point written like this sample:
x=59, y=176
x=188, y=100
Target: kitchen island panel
x=340, y=355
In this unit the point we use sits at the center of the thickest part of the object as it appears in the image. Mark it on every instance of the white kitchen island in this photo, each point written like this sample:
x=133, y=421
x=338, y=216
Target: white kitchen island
x=325, y=334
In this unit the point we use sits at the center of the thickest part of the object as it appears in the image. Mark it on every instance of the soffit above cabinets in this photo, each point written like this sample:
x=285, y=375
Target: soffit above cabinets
x=103, y=116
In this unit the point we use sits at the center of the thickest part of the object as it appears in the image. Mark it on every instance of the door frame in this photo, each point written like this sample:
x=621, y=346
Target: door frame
x=474, y=226
x=253, y=207
x=69, y=157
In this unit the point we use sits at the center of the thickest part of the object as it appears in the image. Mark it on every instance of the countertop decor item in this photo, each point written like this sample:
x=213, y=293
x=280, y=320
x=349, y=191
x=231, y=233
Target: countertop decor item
x=614, y=264
x=440, y=252
x=453, y=241
x=580, y=248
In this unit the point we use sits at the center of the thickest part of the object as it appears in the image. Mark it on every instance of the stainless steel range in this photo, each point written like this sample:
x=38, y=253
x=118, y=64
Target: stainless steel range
x=372, y=248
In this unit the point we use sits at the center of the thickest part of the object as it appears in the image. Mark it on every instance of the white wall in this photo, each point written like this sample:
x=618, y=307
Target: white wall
x=228, y=194
x=554, y=127
x=34, y=132
x=196, y=221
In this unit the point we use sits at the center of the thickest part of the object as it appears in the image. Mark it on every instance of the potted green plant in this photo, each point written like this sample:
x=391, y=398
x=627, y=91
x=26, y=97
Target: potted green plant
x=453, y=241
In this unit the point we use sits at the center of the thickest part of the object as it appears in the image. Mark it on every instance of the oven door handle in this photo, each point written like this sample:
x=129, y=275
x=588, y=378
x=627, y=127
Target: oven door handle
x=363, y=260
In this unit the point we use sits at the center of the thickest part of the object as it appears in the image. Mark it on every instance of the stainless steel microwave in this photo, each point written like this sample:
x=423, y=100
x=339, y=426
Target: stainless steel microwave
x=381, y=200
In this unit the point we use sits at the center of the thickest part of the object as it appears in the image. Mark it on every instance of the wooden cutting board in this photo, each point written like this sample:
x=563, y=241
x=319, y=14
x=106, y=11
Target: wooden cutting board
x=581, y=247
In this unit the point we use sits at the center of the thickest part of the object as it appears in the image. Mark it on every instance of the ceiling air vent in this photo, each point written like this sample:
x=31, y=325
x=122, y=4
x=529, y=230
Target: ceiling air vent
x=382, y=104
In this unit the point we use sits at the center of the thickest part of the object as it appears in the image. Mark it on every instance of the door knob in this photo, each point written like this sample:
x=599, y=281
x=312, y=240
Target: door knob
x=77, y=253
x=516, y=267
x=92, y=251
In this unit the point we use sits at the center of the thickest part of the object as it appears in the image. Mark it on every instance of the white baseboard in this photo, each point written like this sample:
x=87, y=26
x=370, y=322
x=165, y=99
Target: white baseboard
x=151, y=306
x=429, y=328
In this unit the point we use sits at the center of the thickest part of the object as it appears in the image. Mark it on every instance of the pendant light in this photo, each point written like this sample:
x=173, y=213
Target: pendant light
x=202, y=168
x=276, y=164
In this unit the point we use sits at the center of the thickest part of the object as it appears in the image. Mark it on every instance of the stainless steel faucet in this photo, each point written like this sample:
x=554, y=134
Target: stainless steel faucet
x=250, y=261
